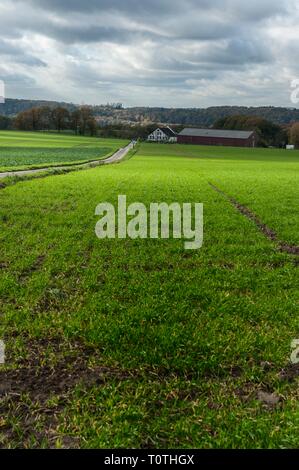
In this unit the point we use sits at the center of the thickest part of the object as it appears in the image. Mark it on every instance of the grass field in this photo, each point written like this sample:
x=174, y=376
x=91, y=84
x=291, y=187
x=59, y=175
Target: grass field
x=21, y=150
x=140, y=343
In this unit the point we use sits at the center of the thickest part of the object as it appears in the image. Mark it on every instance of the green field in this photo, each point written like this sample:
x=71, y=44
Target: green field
x=122, y=343
x=22, y=150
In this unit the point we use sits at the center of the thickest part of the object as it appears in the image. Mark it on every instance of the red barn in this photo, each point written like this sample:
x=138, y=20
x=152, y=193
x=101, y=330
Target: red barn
x=217, y=137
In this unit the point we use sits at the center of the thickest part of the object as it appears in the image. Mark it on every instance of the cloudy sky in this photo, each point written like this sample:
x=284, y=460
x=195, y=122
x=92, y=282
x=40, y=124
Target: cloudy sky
x=150, y=52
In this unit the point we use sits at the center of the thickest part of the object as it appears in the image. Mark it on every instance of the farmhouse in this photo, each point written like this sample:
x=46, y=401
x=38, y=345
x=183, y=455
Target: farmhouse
x=217, y=137
x=163, y=134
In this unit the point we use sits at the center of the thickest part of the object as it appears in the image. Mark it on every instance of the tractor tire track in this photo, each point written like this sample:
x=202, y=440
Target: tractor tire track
x=267, y=231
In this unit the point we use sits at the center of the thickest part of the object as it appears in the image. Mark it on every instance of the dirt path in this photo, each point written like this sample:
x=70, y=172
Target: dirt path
x=117, y=157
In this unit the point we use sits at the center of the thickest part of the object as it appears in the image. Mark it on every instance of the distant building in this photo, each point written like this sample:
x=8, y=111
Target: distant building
x=163, y=134
x=217, y=137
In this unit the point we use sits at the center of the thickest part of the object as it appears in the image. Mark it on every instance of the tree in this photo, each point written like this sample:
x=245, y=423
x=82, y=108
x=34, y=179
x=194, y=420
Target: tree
x=24, y=121
x=92, y=126
x=34, y=119
x=5, y=123
x=294, y=134
x=75, y=120
x=34, y=116
x=44, y=118
x=86, y=114
x=60, y=117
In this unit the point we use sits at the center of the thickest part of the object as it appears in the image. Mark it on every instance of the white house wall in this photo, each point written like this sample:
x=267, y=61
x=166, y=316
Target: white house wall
x=160, y=136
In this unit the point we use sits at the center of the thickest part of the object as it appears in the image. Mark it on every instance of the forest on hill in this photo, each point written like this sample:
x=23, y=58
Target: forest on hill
x=205, y=117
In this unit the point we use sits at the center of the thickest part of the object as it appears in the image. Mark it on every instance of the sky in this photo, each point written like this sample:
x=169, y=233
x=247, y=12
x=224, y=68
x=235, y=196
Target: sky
x=170, y=53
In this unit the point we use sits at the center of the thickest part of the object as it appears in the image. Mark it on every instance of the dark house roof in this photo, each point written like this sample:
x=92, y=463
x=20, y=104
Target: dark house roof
x=215, y=133
x=169, y=132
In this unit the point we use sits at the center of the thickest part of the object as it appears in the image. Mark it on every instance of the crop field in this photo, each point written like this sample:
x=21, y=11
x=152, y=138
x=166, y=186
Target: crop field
x=21, y=150
x=139, y=343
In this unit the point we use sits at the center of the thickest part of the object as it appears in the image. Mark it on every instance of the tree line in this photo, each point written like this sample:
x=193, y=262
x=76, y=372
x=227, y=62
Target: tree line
x=199, y=117
x=80, y=121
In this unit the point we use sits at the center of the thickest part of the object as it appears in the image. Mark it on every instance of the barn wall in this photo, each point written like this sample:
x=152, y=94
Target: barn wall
x=195, y=140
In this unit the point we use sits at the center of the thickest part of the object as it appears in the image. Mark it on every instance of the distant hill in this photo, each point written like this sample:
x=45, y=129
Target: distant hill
x=204, y=117
x=208, y=116
x=12, y=107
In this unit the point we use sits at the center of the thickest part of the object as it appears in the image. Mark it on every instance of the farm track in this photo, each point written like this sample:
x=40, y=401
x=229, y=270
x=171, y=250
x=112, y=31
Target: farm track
x=115, y=158
x=267, y=231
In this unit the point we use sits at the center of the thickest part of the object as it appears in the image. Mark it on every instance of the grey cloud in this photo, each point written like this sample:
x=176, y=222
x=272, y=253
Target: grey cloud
x=166, y=44
x=84, y=74
x=131, y=7
x=237, y=52
x=253, y=10
x=18, y=55
x=201, y=20
x=256, y=10
x=16, y=79
x=92, y=34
